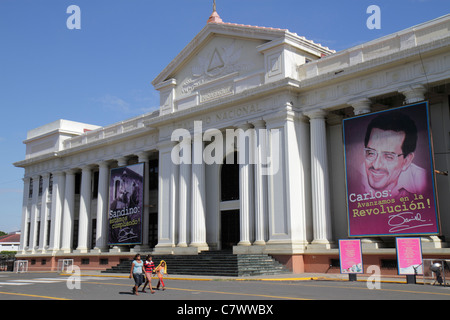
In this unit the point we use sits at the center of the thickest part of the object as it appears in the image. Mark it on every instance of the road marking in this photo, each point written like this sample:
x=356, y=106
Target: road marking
x=365, y=288
x=218, y=292
x=31, y=281
x=32, y=296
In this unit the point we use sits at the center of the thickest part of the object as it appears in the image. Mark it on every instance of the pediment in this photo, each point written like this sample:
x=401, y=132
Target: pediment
x=207, y=35
x=226, y=59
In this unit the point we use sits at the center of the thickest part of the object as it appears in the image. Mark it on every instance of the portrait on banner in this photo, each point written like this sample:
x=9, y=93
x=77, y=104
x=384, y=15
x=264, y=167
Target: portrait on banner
x=389, y=173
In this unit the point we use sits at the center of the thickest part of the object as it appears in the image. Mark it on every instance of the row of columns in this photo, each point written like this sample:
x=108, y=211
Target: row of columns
x=61, y=213
x=182, y=191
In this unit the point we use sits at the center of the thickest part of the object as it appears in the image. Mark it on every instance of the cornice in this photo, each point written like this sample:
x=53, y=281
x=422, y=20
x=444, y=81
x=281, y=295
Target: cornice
x=262, y=91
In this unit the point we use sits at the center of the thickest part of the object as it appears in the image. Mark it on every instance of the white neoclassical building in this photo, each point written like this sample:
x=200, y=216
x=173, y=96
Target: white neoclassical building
x=284, y=98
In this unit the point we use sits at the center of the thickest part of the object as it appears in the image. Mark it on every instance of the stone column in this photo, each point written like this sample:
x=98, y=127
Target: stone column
x=59, y=180
x=246, y=192
x=288, y=180
x=44, y=213
x=198, y=194
x=320, y=180
x=34, y=213
x=184, y=202
x=167, y=199
x=101, y=241
x=261, y=230
x=68, y=212
x=84, y=222
x=25, y=214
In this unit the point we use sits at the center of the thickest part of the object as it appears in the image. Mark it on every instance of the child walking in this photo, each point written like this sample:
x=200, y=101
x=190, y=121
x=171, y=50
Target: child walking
x=160, y=271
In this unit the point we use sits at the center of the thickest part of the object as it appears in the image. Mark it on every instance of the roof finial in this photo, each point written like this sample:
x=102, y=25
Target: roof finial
x=214, y=18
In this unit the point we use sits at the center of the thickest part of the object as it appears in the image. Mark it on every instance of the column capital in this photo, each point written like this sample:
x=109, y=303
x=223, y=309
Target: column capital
x=259, y=124
x=244, y=126
x=360, y=105
x=70, y=171
x=104, y=163
x=316, y=114
x=58, y=173
x=143, y=156
x=413, y=93
x=45, y=175
x=122, y=161
x=87, y=167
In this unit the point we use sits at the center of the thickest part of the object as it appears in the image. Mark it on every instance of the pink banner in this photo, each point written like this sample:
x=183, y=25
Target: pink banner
x=350, y=256
x=409, y=256
x=390, y=174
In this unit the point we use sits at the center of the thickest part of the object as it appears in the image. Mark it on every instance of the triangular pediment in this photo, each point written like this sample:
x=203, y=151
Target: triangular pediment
x=206, y=35
x=226, y=59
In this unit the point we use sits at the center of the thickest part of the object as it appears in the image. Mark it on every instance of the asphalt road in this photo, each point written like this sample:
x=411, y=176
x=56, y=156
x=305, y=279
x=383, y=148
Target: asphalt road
x=185, y=293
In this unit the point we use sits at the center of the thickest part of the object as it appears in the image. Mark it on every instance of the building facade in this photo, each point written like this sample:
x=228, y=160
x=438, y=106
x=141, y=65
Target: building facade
x=282, y=98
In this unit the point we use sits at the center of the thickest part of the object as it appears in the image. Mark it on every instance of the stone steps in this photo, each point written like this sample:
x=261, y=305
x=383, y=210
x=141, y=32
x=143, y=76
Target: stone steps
x=212, y=263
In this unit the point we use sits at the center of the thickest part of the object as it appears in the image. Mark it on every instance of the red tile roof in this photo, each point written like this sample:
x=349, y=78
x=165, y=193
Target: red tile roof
x=10, y=238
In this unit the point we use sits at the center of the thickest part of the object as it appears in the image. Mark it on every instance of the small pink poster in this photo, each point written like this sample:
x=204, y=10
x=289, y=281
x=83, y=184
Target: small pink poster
x=409, y=256
x=350, y=255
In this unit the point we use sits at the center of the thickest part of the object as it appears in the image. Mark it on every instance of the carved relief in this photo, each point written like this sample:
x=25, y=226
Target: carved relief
x=214, y=63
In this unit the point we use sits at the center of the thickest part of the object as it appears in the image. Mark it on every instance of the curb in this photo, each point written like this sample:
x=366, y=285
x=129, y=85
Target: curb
x=319, y=278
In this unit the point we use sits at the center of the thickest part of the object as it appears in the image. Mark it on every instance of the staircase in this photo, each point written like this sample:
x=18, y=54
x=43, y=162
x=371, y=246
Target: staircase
x=213, y=263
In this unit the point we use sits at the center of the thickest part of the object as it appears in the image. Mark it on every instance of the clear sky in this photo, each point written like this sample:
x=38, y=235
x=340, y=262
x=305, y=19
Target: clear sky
x=102, y=73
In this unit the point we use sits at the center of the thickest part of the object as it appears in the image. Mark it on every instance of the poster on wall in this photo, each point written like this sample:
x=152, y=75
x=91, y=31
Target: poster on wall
x=409, y=256
x=390, y=173
x=350, y=256
x=126, y=204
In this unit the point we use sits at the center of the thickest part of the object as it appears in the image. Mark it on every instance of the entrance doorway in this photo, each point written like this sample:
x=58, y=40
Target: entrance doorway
x=230, y=234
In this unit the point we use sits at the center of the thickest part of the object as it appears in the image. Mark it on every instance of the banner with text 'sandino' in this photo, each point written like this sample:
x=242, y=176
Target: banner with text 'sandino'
x=126, y=204
x=390, y=173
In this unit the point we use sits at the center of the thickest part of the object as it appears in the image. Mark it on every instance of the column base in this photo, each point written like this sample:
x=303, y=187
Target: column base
x=371, y=243
x=248, y=249
x=119, y=249
x=140, y=248
x=81, y=251
x=285, y=247
x=433, y=242
x=99, y=250
x=321, y=245
x=199, y=246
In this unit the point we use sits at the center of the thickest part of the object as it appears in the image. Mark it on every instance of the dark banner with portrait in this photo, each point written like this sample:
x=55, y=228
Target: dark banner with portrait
x=126, y=204
x=390, y=173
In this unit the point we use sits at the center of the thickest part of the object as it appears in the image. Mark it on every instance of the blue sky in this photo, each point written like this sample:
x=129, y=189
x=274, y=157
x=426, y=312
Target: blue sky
x=102, y=73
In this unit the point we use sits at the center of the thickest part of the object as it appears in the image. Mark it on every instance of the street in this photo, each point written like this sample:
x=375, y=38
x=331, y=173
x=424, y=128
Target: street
x=51, y=286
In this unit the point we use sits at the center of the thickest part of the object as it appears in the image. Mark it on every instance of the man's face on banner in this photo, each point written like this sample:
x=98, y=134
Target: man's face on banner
x=384, y=160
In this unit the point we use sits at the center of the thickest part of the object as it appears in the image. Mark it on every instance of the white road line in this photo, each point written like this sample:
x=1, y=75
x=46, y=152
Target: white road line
x=13, y=284
x=34, y=281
